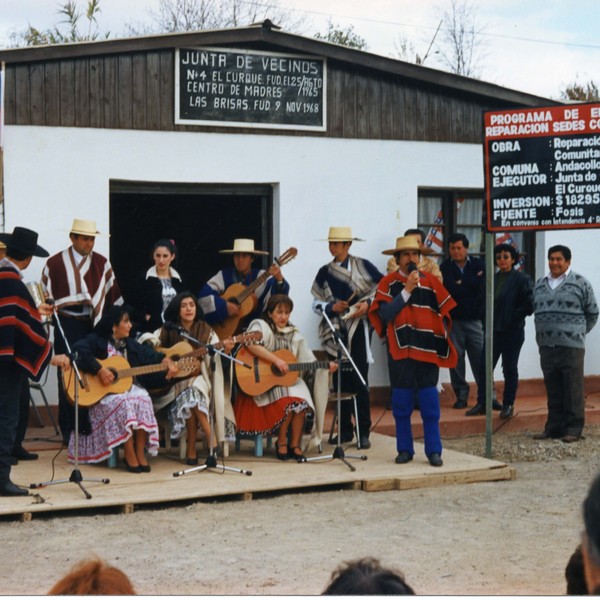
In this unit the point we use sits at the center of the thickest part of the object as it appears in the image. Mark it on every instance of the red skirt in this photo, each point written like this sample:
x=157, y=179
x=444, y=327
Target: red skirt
x=253, y=420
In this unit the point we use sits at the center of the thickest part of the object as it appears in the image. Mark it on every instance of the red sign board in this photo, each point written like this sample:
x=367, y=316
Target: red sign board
x=542, y=168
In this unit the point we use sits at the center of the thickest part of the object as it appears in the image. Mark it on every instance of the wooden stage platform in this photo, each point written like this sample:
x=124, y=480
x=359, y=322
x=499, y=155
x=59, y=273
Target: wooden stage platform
x=126, y=491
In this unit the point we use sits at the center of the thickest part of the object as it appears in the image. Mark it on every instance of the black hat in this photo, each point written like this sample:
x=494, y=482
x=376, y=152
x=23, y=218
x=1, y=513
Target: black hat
x=24, y=240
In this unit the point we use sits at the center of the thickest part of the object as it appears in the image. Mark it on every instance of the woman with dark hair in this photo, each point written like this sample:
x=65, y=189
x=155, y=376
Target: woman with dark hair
x=367, y=577
x=120, y=418
x=155, y=288
x=513, y=301
x=283, y=410
x=187, y=401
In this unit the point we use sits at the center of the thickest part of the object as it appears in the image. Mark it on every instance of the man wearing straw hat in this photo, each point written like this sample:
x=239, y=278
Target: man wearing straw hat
x=343, y=290
x=82, y=284
x=411, y=310
x=24, y=347
x=217, y=309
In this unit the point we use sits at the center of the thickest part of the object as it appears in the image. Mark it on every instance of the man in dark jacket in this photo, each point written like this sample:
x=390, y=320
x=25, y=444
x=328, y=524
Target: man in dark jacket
x=464, y=278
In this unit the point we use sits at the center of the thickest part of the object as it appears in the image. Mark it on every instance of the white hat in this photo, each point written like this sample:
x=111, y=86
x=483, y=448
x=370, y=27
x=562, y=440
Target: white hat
x=342, y=234
x=83, y=227
x=243, y=245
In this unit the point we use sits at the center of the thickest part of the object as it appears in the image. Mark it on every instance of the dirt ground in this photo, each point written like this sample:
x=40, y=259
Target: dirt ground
x=507, y=538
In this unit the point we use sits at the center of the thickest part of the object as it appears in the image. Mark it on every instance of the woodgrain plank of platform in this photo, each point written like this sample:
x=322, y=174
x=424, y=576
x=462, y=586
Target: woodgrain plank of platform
x=269, y=476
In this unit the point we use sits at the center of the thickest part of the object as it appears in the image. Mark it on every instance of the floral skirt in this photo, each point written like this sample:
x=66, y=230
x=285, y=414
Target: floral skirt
x=253, y=420
x=113, y=421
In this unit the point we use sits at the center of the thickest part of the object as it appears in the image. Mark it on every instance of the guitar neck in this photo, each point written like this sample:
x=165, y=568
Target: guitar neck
x=252, y=286
x=145, y=370
x=309, y=366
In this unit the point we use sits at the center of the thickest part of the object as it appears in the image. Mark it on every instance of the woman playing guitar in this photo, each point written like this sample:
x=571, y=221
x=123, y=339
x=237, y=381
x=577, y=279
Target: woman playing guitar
x=120, y=418
x=283, y=409
x=188, y=399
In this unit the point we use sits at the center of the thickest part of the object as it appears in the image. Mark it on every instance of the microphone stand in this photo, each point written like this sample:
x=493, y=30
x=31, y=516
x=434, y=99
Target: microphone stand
x=76, y=477
x=338, y=452
x=211, y=459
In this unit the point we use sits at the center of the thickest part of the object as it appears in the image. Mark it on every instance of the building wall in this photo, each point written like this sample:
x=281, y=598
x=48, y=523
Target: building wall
x=53, y=175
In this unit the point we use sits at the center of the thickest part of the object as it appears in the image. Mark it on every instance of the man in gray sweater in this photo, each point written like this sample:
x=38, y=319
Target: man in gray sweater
x=565, y=311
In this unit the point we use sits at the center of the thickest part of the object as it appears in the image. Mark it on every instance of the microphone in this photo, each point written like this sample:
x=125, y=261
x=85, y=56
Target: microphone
x=170, y=326
x=411, y=268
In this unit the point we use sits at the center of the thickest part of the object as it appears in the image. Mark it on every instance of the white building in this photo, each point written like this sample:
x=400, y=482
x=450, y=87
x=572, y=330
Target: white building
x=102, y=131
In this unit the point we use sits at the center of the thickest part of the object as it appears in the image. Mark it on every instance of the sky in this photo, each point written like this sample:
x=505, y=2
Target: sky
x=535, y=46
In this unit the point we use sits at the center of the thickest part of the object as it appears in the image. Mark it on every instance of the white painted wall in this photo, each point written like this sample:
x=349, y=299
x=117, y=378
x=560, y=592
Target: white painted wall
x=53, y=175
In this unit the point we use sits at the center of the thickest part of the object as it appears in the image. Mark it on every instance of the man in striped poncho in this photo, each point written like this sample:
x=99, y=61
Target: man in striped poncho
x=24, y=348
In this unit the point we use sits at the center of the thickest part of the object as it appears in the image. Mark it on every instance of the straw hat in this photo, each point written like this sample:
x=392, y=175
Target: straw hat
x=24, y=240
x=342, y=234
x=243, y=245
x=83, y=227
x=406, y=242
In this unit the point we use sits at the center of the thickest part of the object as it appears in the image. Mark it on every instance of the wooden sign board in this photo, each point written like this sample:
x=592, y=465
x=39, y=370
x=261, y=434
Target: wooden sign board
x=243, y=88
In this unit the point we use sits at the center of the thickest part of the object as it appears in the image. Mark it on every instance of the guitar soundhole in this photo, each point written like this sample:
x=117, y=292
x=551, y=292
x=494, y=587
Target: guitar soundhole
x=276, y=371
x=115, y=374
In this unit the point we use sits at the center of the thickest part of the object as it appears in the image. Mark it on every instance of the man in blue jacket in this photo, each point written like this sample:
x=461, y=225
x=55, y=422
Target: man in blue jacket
x=464, y=278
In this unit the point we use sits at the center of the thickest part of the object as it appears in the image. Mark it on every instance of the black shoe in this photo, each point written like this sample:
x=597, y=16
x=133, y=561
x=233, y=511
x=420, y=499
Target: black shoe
x=192, y=462
x=346, y=437
x=460, y=404
x=475, y=411
x=145, y=468
x=10, y=489
x=403, y=457
x=364, y=443
x=281, y=455
x=542, y=436
x=293, y=454
x=496, y=405
x=131, y=469
x=435, y=460
x=569, y=438
x=507, y=411
x=22, y=454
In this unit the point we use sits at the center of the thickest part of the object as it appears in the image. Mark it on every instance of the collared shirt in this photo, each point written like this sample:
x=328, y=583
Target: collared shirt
x=554, y=282
x=6, y=262
x=463, y=267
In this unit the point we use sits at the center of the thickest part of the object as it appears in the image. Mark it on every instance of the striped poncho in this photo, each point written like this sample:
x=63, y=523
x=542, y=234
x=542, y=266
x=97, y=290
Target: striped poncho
x=420, y=328
x=23, y=339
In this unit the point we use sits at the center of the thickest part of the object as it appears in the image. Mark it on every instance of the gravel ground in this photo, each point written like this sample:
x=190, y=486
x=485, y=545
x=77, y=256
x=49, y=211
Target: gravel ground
x=505, y=538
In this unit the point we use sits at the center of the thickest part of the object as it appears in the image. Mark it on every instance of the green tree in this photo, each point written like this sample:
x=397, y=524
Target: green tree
x=70, y=32
x=344, y=37
x=581, y=92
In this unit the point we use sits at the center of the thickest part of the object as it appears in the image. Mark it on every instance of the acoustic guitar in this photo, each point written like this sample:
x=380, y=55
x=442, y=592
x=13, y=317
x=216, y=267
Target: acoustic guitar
x=94, y=390
x=184, y=350
x=243, y=295
x=263, y=375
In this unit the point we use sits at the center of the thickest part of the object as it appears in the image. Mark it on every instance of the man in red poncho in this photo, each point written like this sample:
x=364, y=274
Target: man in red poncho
x=411, y=311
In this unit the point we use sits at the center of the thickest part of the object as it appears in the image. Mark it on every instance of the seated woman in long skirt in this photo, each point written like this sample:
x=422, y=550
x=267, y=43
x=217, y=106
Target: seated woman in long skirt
x=282, y=410
x=187, y=401
x=120, y=418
